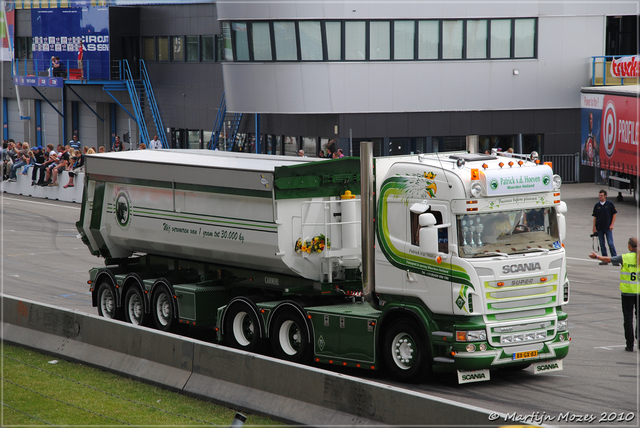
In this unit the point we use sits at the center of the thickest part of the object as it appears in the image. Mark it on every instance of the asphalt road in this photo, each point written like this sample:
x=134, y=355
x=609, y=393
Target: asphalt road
x=43, y=260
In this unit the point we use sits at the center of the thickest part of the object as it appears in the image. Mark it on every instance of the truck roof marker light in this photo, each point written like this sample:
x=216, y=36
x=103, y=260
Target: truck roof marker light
x=549, y=164
x=501, y=164
x=475, y=174
x=537, y=161
x=485, y=166
x=510, y=164
x=438, y=259
x=500, y=284
x=520, y=163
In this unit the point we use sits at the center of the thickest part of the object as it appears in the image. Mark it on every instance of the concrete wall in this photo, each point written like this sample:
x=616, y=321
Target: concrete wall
x=289, y=392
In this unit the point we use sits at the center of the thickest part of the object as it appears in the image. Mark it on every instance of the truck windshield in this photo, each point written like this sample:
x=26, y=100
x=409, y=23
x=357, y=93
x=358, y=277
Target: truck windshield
x=508, y=232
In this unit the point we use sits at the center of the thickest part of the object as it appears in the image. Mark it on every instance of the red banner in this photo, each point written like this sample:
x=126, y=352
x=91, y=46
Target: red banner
x=625, y=67
x=619, y=134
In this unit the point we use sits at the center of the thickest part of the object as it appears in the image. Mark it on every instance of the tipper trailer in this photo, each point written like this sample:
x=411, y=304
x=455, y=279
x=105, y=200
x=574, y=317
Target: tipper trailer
x=422, y=263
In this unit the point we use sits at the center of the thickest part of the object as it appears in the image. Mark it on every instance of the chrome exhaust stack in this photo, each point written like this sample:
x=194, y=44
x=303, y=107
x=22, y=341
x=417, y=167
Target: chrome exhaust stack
x=367, y=224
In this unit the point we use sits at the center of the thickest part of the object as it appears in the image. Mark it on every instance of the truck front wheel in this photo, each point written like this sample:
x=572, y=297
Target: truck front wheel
x=107, y=302
x=134, y=307
x=405, y=352
x=242, y=328
x=289, y=337
x=162, y=309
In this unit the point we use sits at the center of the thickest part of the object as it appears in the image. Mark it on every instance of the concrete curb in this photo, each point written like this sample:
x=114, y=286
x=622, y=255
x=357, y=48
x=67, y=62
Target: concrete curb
x=288, y=392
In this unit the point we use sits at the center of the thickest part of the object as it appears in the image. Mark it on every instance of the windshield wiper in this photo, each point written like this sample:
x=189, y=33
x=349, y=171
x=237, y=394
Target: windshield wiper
x=491, y=253
x=531, y=250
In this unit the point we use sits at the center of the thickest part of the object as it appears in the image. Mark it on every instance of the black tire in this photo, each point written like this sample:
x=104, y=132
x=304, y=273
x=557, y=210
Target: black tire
x=134, y=311
x=108, y=302
x=242, y=328
x=290, y=337
x=162, y=309
x=405, y=352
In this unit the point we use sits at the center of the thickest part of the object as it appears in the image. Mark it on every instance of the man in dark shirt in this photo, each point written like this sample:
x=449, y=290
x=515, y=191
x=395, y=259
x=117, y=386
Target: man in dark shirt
x=604, y=217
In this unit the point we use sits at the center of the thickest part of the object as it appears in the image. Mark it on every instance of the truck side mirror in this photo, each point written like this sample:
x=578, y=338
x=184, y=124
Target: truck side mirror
x=428, y=233
x=562, y=221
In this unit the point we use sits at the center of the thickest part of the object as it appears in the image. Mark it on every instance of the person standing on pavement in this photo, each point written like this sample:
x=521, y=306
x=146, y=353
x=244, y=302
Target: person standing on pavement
x=629, y=287
x=604, y=218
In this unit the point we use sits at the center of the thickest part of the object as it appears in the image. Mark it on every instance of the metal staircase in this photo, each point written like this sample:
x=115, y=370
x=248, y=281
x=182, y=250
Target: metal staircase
x=223, y=120
x=143, y=100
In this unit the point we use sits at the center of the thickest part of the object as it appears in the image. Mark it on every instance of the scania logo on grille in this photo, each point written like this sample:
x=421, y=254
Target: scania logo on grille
x=522, y=267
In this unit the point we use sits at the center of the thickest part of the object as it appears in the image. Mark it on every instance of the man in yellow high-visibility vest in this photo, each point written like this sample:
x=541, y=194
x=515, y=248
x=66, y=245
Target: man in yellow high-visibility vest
x=629, y=286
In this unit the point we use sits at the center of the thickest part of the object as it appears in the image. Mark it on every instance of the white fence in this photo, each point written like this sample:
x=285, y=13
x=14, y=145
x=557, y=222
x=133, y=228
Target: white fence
x=23, y=187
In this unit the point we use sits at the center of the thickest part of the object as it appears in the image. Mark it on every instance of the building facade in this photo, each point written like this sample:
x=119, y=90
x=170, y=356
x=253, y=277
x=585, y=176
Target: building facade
x=409, y=76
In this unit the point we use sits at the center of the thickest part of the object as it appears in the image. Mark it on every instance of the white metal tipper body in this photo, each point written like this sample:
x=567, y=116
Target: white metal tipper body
x=217, y=207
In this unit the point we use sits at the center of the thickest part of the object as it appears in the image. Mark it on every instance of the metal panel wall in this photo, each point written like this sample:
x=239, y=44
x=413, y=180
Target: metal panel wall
x=51, y=125
x=16, y=126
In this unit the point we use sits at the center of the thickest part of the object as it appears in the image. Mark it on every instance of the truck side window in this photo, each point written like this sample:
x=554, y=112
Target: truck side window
x=443, y=235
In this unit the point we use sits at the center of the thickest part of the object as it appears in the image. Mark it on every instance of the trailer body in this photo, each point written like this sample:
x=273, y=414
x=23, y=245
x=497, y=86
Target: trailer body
x=610, y=130
x=468, y=271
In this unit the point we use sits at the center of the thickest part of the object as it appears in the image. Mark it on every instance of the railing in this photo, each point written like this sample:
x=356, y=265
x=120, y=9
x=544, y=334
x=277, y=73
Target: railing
x=135, y=100
x=93, y=69
x=151, y=98
x=566, y=166
x=601, y=72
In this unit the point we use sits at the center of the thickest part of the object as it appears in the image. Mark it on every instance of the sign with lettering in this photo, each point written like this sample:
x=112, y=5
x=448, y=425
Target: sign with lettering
x=625, y=67
x=610, y=132
x=60, y=32
x=517, y=180
x=42, y=82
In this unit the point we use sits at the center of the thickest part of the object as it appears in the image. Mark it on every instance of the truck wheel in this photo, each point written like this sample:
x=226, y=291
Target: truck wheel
x=134, y=307
x=289, y=337
x=405, y=352
x=242, y=328
x=107, y=302
x=163, y=309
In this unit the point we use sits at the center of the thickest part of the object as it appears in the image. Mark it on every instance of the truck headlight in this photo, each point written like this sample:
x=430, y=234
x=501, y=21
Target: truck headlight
x=471, y=336
x=563, y=325
x=476, y=189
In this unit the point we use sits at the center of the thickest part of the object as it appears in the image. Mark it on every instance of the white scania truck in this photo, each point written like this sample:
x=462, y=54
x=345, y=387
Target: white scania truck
x=418, y=264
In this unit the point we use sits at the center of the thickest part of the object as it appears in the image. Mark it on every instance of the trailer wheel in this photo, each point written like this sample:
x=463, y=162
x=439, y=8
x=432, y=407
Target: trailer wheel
x=107, y=302
x=405, y=352
x=134, y=307
x=163, y=313
x=289, y=337
x=242, y=328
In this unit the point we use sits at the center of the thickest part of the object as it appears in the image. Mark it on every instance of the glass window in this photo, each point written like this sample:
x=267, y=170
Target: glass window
x=163, y=49
x=149, y=49
x=310, y=40
x=208, y=48
x=284, y=33
x=403, y=39
x=428, y=39
x=355, y=41
x=379, y=40
x=177, y=49
x=241, y=39
x=477, y=38
x=309, y=145
x=524, y=38
x=227, y=44
x=452, y=39
x=290, y=146
x=261, y=38
x=334, y=40
x=192, y=48
x=193, y=138
x=500, y=38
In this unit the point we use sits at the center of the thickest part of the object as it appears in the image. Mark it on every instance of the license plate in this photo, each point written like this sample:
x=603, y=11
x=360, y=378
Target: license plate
x=523, y=355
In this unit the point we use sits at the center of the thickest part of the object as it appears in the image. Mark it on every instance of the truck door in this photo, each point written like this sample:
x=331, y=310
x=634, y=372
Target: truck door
x=425, y=276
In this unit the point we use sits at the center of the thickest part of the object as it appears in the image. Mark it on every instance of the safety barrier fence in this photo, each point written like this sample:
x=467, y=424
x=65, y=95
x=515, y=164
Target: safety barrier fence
x=289, y=392
x=566, y=166
x=23, y=187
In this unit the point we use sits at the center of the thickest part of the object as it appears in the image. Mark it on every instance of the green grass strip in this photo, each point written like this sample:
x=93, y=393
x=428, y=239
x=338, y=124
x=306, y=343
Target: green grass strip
x=37, y=391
